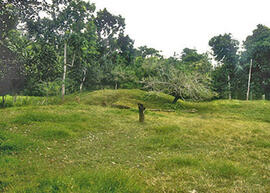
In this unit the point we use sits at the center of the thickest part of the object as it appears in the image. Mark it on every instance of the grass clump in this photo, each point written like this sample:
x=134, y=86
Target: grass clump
x=114, y=181
x=11, y=143
x=32, y=117
x=54, y=133
x=161, y=141
x=163, y=130
x=176, y=162
x=53, y=185
x=225, y=169
x=260, y=143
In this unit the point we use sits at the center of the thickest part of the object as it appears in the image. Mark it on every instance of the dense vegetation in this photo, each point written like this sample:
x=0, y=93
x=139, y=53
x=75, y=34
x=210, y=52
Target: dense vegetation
x=219, y=146
x=68, y=46
x=83, y=142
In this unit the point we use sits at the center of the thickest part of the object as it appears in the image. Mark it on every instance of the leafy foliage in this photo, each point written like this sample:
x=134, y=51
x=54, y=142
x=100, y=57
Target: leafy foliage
x=36, y=34
x=258, y=48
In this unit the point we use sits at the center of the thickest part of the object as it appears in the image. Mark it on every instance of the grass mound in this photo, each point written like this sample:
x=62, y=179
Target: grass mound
x=128, y=98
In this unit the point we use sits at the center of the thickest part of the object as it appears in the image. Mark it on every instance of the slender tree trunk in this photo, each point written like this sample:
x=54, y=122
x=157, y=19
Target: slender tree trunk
x=116, y=86
x=3, y=101
x=84, y=76
x=65, y=71
x=249, y=78
x=229, y=87
x=14, y=98
x=176, y=98
x=73, y=60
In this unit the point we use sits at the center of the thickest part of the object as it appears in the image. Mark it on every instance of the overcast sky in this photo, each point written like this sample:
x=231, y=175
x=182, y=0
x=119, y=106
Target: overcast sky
x=171, y=25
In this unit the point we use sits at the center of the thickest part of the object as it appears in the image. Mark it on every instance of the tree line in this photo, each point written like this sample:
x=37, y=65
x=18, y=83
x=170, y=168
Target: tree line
x=66, y=46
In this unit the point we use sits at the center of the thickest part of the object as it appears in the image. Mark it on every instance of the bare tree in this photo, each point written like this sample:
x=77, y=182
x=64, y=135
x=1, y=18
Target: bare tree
x=181, y=85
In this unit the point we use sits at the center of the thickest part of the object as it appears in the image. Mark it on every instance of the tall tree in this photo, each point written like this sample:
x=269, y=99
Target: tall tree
x=111, y=39
x=126, y=48
x=257, y=48
x=11, y=13
x=224, y=49
x=66, y=20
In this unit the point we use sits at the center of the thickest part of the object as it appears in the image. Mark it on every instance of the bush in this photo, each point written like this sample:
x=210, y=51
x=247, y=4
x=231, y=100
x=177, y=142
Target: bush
x=43, y=88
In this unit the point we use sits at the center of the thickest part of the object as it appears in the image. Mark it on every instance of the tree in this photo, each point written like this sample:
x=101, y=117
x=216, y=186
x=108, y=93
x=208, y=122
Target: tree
x=224, y=49
x=84, y=47
x=124, y=77
x=111, y=44
x=257, y=48
x=145, y=52
x=67, y=20
x=109, y=28
x=126, y=48
x=11, y=68
x=11, y=76
x=193, y=61
x=190, y=55
x=181, y=85
x=38, y=60
x=17, y=11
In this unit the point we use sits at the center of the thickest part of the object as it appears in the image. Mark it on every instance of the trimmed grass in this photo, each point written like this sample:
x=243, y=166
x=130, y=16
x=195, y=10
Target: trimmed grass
x=86, y=145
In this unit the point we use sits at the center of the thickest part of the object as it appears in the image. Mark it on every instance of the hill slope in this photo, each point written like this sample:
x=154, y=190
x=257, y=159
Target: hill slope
x=86, y=145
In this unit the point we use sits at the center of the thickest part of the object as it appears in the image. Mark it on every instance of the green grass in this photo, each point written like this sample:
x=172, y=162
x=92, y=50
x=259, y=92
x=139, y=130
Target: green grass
x=85, y=145
x=90, y=181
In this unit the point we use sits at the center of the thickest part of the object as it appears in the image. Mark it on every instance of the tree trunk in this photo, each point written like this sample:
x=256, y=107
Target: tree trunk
x=84, y=76
x=229, y=87
x=73, y=60
x=249, y=78
x=141, y=112
x=65, y=71
x=267, y=96
x=176, y=98
x=3, y=101
x=14, y=98
x=116, y=86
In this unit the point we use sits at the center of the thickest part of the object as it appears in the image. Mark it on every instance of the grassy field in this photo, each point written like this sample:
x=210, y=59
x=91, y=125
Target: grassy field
x=86, y=145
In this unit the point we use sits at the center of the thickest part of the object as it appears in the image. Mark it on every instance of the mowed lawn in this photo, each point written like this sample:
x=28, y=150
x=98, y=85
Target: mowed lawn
x=87, y=144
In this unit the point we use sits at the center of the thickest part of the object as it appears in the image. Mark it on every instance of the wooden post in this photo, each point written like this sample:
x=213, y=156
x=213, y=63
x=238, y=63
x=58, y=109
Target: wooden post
x=249, y=78
x=141, y=112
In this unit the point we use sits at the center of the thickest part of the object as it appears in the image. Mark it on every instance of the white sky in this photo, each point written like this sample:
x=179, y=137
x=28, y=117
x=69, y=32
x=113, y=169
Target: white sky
x=171, y=25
